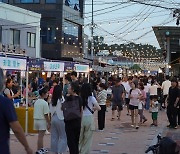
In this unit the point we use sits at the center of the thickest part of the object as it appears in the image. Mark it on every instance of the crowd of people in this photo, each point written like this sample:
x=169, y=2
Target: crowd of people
x=66, y=107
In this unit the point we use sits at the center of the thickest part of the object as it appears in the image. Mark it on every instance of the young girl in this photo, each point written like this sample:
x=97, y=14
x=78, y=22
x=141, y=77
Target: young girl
x=154, y=110
x=58, y=134
x=134, y=96
x=41, y=119
x=90, y=104
x=142, y=103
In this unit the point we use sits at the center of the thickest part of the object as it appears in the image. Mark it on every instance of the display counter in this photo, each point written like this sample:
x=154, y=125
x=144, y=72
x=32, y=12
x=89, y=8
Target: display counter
x=21, y=114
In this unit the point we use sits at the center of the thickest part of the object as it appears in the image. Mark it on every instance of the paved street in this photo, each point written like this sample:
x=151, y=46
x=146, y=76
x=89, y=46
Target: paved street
x=118, y=138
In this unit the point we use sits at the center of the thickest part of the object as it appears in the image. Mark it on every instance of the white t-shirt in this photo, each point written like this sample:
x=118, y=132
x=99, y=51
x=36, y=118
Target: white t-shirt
x=135, y=94
x=153, y=90
x=57, y=109
x=127, y=88
x=91, y=102
x=40, y=109
x=154, y=106
x=165, y=87
x=147, y=87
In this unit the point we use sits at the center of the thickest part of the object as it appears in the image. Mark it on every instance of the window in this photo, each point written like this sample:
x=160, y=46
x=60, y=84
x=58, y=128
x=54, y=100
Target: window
x=0, y=35
x=26, y=1
x=74, y=4
x=71, y=33
x=31, y=40
x=15, y=37
x=48, y=34
x=50, y=1
x=5, y=1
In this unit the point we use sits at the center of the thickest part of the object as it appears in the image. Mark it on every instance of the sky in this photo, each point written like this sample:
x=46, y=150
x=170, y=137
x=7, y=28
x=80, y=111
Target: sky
x=121, y=21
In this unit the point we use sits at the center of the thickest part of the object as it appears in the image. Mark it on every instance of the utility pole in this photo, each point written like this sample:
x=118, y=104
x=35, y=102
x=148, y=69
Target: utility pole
x=92, y=31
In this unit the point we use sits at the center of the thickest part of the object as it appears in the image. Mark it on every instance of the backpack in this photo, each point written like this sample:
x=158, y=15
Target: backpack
x=71, y=108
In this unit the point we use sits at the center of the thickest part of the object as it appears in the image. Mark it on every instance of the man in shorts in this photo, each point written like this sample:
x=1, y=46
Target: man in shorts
x=118, y=95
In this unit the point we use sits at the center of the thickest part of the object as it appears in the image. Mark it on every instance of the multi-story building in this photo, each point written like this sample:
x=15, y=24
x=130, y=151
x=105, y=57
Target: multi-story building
x=19, y=31
x=61, y=25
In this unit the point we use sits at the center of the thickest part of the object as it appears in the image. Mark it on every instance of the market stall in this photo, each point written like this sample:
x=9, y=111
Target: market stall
x=18, y=63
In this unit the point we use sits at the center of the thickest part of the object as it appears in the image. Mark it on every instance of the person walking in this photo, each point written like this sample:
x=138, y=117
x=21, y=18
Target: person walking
x=8, y=119
x=73, y=126
x=172, y=100
x=58, y=134
x=126, y=83
x=90, y=104
x=134, y=96
x=141, y=105
x=118, y=95
x=165, y=87
x=41, y=119
x=147, y=90
x=102, y=97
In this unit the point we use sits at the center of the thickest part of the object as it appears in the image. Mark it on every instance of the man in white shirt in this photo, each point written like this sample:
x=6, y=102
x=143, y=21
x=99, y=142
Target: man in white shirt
x=126, y=83
x=165, y=87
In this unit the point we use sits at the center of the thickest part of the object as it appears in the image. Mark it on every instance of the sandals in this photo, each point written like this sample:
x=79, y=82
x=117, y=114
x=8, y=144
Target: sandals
x=112, y=119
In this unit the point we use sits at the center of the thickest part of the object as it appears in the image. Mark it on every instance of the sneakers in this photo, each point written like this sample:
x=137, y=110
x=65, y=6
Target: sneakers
x=42, y=151
x=137, y=127
x=144, y=121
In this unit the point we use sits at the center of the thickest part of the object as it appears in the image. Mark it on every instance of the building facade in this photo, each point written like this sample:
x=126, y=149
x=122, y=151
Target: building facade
x=19, y=31
x=61, y=26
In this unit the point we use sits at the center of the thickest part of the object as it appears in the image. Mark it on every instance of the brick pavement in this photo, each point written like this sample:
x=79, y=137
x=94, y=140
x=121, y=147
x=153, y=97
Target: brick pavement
x=118, y=138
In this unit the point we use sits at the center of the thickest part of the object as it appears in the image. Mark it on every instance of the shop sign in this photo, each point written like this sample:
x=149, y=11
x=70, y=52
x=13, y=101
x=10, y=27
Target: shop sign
x=68, y=67
x=35, y=65
x=81, y=68
x=13, y=63
x=53, y=66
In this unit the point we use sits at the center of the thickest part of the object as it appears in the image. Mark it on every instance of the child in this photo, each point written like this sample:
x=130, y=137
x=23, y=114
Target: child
x=41, y=119
x=154, y=110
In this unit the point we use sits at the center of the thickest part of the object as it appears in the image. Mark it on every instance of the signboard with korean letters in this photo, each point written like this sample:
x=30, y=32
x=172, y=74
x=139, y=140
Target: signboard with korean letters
x=8, y=63
x=53, y=66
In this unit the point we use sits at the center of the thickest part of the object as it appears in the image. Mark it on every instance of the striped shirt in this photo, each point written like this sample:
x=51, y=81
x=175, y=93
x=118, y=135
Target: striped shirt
x=102, y=96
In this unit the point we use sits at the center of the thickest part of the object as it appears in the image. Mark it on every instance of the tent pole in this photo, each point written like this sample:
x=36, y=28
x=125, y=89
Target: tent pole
x=27, y=78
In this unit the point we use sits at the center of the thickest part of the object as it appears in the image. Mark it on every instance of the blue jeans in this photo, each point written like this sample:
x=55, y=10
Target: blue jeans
x=147, y=101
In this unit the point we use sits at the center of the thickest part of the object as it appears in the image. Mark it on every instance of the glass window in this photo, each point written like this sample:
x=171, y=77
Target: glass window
x=71, y=33
x=50, y=1
x=15, y=37
x=73, y=4
x=48, y=35
x=0, y=35
x=5, y=1
x=31, y=39
x=26, y=1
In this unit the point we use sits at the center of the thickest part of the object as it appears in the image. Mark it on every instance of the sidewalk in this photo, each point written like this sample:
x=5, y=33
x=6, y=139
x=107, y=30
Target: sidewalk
x=118, y=138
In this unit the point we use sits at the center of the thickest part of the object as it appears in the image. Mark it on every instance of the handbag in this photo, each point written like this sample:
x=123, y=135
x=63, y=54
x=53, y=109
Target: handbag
x=89, y=109
x=71, y=109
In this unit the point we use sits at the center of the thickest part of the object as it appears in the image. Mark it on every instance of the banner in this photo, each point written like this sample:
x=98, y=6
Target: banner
x=68, y=67
x=12, y=63
x=36, y=65
x=54, y=66
x=81, y=68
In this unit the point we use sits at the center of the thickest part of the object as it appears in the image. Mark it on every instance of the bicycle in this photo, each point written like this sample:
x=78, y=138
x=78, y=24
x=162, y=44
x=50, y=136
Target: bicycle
x=155, y=148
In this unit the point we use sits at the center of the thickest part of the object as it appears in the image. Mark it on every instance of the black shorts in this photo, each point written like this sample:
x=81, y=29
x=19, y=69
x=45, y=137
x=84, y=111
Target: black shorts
x=115, y=105
x=152, y=96
x=127, y=100
x=132, y=107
